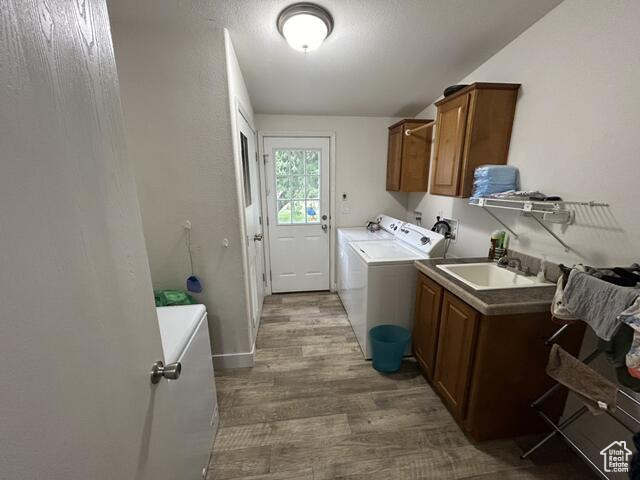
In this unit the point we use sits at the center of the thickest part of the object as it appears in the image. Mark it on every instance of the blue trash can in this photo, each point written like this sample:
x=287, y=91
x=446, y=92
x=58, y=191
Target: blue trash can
x=388, y=343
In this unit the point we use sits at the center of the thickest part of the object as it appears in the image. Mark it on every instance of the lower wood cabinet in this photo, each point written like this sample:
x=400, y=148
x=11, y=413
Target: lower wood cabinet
x=426, y=322
x=486, y=369
x=456, y=342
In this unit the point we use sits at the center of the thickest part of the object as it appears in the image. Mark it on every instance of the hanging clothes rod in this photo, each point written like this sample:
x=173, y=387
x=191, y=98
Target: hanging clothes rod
x=410, y=131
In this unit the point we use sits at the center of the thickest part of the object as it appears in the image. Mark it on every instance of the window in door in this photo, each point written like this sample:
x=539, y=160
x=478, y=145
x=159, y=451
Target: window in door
x=246, y=174
x=297, y=176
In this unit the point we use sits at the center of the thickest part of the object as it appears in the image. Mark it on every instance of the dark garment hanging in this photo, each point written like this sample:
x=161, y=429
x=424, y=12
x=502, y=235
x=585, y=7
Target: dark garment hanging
x=616, y=350
x=634, y=464
x=623, y=277
x=628, y=274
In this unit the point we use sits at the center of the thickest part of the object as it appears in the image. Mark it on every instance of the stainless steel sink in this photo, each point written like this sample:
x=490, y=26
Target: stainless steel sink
x=488, y=276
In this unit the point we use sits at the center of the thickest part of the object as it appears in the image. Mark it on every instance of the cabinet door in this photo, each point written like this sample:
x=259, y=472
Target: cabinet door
x=394, y=158
x=456, y=341
x=426, y=322
x=416, y=150
x=450, y=133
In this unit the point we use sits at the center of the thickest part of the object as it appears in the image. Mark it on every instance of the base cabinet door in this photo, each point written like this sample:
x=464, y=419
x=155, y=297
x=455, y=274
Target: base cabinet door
x=426, y=323
x=456, y=340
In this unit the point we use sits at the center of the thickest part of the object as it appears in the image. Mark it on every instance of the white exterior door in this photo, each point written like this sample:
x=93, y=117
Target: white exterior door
x=298, y=202
x=253, y=217
x=78, y=325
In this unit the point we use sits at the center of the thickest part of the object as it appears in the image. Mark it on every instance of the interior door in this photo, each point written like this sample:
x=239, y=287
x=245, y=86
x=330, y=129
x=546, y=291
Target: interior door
x=450, y=131
x=253, y=217
x=78, y=329
x=298, y=209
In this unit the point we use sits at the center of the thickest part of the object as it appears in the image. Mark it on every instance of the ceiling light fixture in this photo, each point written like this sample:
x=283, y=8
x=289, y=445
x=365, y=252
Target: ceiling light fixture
x=305, y=26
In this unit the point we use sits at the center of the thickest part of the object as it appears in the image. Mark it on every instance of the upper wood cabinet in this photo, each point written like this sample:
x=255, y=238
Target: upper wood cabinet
x=473, y=127
x=408, y=157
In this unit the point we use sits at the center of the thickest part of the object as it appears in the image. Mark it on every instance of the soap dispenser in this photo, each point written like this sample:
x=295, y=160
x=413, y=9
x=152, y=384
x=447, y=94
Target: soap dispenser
x=543, y=265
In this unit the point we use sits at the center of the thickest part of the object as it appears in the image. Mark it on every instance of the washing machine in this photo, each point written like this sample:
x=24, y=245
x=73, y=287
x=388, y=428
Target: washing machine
x=388, y=227
x=380, y=279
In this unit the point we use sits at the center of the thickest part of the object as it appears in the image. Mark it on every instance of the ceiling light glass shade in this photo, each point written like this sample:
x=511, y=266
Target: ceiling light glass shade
x=305, y=26
x=304, y=32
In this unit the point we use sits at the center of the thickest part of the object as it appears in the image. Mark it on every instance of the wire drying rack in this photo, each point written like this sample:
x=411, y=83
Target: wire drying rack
x=551, y=211
x=559, y=428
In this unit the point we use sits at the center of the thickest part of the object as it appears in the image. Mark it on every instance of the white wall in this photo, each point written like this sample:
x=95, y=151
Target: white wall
x=577, y=119
x=361, y=162
x=575, y=135
x=173, y=76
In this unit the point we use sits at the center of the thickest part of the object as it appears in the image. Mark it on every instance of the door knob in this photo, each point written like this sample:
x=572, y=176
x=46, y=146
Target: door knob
x=170, y=372
x=324, y=227
x=257, y=237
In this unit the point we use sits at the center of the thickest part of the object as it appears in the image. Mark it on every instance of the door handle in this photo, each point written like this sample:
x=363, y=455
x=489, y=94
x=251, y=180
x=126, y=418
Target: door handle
x=324, y=227
x=170, y=372
x=257, y=237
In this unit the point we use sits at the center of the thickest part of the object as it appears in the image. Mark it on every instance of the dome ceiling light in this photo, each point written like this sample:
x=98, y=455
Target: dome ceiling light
x=305, y=26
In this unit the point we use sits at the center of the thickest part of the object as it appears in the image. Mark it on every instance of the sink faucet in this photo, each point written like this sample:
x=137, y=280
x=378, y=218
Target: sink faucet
x=516, y=263
x=513, y=264
x=503, y=261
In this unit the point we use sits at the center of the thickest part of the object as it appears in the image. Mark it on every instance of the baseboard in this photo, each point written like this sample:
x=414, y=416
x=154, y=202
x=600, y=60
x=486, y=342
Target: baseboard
x=233, y=360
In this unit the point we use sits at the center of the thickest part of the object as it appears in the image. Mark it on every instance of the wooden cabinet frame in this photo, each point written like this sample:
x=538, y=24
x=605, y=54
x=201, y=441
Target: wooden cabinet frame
x=486, y=368
x=408, y=157
x=473, y=128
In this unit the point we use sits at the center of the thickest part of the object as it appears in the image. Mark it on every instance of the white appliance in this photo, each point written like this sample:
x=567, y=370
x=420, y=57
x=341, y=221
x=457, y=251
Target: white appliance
x=359, y=234
x=190, y=410
x=380, y=281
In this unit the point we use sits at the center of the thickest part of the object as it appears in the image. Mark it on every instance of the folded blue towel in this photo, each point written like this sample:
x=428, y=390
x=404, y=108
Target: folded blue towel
x=489, y=179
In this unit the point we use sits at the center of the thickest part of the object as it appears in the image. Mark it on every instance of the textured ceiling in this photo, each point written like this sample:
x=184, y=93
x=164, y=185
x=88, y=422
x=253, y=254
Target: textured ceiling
x=384, y=57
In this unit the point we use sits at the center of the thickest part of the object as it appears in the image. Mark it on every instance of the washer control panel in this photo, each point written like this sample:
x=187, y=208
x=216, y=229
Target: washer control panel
x=420, y=238
x=390, y=224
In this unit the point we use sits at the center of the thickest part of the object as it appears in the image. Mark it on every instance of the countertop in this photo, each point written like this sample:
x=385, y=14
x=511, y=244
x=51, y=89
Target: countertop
x=488, y=302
